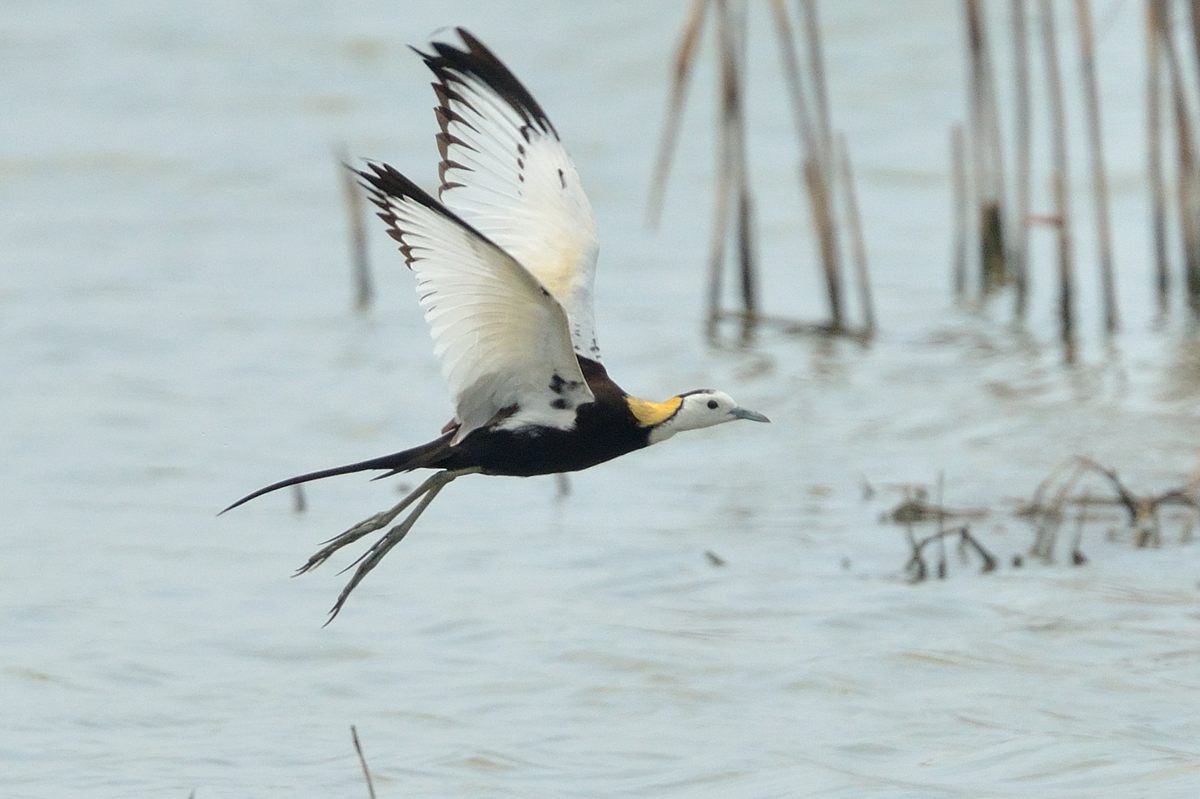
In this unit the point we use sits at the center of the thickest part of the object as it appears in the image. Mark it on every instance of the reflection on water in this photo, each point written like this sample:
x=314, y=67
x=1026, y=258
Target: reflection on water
x=1181, y=370
x=176, y=328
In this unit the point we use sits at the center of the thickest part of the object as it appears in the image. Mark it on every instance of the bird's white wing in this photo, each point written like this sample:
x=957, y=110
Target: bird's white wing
x=505, y=172
x=500, y=336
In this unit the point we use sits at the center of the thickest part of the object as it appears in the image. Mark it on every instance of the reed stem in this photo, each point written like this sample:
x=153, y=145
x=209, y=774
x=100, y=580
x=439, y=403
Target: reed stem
x=958, y=166
x=986, y=151
x=1019, y=249
x=364, y=290
x=1087, y=68
x=823, y=225
x=1154, y=160
x=858, y=244
x=685, y=55
x=1060, y=173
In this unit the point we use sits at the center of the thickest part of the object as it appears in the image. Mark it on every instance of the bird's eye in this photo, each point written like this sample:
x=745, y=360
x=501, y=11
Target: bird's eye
x=712, y=405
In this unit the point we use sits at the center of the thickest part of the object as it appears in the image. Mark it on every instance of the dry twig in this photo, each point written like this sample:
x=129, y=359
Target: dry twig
x=362, y=761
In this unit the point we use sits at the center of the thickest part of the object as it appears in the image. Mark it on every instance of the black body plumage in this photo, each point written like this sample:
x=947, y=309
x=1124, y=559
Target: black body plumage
x=604, y=429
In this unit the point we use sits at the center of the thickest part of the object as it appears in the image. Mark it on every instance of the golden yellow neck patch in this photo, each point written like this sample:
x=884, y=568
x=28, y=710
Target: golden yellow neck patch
x=650, y=413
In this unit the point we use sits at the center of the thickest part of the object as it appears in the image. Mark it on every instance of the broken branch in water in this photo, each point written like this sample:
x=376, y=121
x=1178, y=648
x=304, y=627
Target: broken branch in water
x=362, y=761
x=916, y=562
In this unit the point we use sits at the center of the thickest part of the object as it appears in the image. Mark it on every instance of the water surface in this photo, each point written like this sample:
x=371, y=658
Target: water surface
x=177, y=331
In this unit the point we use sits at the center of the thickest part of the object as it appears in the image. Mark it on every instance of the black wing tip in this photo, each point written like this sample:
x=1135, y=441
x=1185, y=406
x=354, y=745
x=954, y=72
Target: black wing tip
x=424, y=56
x=384, y=180
x=479, y=61
x=471, y=40
x=385, y=183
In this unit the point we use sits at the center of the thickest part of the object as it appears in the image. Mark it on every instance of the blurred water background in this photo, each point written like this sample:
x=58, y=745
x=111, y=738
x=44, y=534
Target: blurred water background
x=176, y=320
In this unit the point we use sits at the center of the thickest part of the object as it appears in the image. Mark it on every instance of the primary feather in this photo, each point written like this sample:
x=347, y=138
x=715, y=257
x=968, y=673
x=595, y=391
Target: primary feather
x=505, y=172
x=500, y=336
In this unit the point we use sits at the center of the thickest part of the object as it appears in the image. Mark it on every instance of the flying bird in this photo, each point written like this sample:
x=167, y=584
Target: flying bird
x=504, y=263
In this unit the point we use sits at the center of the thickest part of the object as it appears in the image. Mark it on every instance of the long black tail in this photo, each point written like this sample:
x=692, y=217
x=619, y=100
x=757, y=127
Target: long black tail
x=426, y=455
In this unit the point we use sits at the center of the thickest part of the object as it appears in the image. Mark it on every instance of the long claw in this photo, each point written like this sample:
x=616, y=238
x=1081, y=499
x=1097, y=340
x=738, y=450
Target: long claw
x=370, y=559
x=364, y=563
x=365, y=527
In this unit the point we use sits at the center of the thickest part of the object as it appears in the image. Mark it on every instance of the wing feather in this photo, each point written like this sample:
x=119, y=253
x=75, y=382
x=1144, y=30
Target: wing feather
x=502, y=339
x=505, y=171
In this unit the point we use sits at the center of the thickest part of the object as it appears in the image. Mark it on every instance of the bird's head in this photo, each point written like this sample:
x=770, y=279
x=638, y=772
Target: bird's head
x=704, y=407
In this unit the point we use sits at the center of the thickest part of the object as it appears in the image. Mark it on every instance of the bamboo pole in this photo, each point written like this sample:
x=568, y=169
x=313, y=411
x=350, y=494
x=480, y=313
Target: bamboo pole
x=818, y=169
x=858, y=244
x=1190, y=200
x=745, y=211
x=986, y=148
x=828, y=242
x=748, y=258
x=816, y=56
x=364, y=291
x=725, y=168
x=791, y=73
x=1186, y=169
x=1158, y=188
x=1087, y=68
x=299, y=503
x=974, y=135
x=958, y=166
x=991, y=107
x=1059, y=179
x=1019, y=254
x=1196, y=32
x=362, y=762
x=685, y=54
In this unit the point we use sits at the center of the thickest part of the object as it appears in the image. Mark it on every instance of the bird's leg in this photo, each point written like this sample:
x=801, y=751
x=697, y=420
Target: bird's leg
x=370, y=559
x=366, y=526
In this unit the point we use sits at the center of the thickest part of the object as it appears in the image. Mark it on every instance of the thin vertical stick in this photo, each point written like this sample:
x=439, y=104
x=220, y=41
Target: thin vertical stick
x=362, y=761
x=813, y=172
x=958, y=166
x=1158, y=187
x=1196, y=31
x=1087, y=67
x=985, y=137
x=716, y=257
x=941, y=525
x=726, y=176
x=364, y=291
x=818, y=169
x=684, y=58
x=745, y=210
x=746, y=254
x=816, y=56
x=563, y=485
x=974, y=134
x=1060, y=173
x=299, y=503
x=858, y=244
x=825, y=236
x=791, y=74
x=1189, y=196
x=991, y=106
x=1020, y=248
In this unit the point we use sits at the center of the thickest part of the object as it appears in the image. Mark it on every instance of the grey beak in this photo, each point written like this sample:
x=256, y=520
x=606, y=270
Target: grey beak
x=742, y=413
